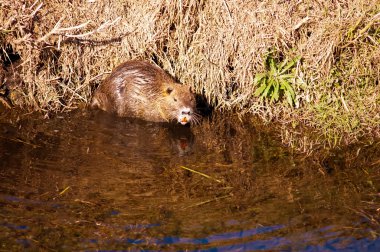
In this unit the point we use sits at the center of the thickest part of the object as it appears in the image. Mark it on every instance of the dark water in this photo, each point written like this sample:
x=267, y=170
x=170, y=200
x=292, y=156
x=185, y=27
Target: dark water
x=89, y=181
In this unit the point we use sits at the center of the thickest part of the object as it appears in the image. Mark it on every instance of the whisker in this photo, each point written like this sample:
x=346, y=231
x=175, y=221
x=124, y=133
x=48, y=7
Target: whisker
x=196, y=118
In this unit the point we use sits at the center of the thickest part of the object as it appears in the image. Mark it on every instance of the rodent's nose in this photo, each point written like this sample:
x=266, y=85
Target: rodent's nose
x=186, y=111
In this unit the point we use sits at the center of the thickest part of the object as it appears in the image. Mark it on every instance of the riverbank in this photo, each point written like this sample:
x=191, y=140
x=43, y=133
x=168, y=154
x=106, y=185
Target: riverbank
x=299, y=64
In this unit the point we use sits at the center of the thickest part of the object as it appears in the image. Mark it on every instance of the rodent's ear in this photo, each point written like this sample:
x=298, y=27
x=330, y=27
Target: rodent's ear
x=169, y=90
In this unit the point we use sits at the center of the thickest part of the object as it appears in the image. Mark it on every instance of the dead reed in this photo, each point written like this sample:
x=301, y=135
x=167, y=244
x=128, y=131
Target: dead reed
x=64, y=49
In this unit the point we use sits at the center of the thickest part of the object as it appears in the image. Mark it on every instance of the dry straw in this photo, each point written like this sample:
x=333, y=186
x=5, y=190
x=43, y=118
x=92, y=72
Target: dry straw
x=217, y=46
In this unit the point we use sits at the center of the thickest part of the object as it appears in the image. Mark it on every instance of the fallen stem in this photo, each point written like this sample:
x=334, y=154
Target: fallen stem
x=200, y=173
x=64, y=190
x=207, y=201
x=20, y=141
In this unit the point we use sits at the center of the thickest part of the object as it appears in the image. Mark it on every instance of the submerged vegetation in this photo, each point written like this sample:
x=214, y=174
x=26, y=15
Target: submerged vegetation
x=52, y=60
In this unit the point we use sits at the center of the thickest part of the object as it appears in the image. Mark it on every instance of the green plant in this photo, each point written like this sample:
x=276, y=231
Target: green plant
x=277, y=80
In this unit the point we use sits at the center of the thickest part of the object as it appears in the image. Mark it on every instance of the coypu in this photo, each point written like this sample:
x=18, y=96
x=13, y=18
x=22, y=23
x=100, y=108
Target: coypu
x=141, y=90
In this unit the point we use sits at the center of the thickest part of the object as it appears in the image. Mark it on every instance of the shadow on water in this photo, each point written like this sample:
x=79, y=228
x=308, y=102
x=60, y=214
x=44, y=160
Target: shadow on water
x=91, y=181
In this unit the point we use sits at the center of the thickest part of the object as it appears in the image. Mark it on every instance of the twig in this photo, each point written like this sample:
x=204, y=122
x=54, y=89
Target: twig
x=344, y=103
x=20, y=141
x=64, y=190
x=207, y=201
x=75, y=27
x=228, y=9
x=36, y=10
x=101, y=27
x=57, y=30
x=85, y=202
x=302, y=22
x=53, y=31
x=96, y=42
x=202, y=174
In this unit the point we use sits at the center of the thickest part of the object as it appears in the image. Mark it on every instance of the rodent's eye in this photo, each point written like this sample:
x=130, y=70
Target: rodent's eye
x=169, y=90
x=175, y=99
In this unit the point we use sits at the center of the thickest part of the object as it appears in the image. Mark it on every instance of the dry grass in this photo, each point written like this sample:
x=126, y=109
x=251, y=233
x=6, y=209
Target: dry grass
x=217, y=46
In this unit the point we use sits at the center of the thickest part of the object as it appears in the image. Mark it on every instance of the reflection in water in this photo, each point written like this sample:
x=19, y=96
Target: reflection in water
x=181, y=138
x=95, y=182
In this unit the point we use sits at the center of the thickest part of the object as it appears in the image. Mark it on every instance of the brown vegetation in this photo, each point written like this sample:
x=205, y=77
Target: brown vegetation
x=66, y=47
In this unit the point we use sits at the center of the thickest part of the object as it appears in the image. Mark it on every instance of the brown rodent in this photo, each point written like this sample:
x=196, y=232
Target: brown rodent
x=142, y=90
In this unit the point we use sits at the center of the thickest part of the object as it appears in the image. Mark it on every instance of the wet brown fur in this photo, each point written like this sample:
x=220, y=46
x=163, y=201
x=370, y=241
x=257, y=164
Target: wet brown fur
x=142, y=90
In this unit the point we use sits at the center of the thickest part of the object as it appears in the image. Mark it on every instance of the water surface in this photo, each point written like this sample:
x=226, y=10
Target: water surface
x=91, y=181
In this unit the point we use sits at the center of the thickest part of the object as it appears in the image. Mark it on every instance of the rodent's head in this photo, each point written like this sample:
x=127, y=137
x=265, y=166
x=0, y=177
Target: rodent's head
x=180, y=103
